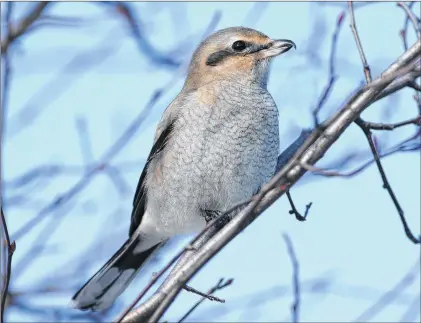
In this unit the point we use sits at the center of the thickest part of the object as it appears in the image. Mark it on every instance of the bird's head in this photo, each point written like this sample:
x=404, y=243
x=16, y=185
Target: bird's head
x=235, y=53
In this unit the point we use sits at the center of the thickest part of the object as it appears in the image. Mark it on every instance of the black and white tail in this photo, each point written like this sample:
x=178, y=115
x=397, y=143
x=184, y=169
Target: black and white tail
x=113, y=278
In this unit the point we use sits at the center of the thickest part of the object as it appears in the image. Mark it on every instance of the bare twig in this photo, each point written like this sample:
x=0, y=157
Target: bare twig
x=325, y=172
x=204, y=295
x=295, y=307
x=404, y=33
x=18, y=30
x=411, y=17
x=294, y=210
x=392, y=126
x=404, y=30
x=220, y=285
x=332, y=73
x=367, y=71
x=386, y=185
x=10, y=248
x=400, y=147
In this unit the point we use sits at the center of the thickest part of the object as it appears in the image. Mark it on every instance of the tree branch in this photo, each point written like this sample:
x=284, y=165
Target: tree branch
x=17, y=31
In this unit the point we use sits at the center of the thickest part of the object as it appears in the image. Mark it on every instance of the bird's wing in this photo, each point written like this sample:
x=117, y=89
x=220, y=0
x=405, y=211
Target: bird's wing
x=162, y=134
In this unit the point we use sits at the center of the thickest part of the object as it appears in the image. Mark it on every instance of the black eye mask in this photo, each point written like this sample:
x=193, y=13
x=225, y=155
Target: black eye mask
x=215, y=58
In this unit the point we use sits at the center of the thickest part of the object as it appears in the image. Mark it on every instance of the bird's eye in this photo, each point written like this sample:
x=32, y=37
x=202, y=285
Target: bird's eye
x=239, y=45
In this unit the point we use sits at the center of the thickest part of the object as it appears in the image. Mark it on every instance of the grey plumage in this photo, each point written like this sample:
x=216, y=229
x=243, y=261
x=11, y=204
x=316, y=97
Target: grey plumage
x=216, y=144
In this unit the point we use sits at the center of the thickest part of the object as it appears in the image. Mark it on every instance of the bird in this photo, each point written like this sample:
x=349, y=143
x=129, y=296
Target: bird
x=216, y=145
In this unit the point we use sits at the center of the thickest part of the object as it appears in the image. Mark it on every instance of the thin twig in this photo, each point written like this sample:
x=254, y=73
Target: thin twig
x=220, y=285
x=295, y=307
x=404, y=30
x=367, y=71
x=411, y=17
x=386, y=185
x=10, y=247
x=391, y=126
x=325, y=172
x=400, y=147
x=294, y=210
x=332, y=74
x=204, y=295
x=16, y=32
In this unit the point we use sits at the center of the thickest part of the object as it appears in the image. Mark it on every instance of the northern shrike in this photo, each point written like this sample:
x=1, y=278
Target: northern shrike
x=217, y=143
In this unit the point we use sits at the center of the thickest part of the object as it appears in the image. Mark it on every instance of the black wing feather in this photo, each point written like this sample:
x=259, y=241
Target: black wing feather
x=139, y=201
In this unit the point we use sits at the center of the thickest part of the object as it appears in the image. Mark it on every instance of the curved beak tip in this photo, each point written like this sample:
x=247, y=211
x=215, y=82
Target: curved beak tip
x=286, y=44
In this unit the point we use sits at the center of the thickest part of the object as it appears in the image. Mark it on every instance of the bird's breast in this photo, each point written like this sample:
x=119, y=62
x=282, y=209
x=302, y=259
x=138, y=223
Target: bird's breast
x=225, y=151
x=218, y=155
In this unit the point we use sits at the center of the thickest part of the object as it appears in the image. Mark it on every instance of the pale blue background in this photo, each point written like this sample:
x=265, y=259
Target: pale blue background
x=351, y=250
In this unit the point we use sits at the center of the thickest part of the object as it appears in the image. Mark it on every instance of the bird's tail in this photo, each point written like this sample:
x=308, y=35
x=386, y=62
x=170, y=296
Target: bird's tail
x=113, y=278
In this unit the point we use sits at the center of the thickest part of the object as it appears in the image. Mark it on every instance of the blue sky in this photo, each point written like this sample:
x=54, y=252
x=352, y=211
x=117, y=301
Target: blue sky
x=94, y=74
